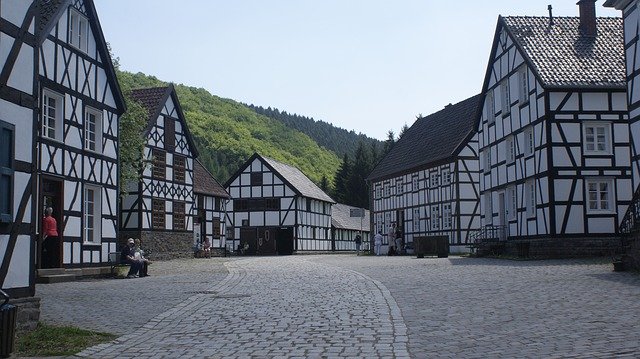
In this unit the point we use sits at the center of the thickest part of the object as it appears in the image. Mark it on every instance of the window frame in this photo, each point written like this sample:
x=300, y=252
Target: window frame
x=435, y=217
x=8, y=171
x=512, y=208
x=531, y=198
x=159, y=164
x=447, y=216
x=505, y=97
x=434, y=179
x=158, y=213
x=416, y=220
x=490, y=107
x=179, y=171
x=523, y=85
x=510, y=149
x=97, y=141
x=179, y=216
x=487, y=160
x=606, y=126
x=95, y=218
x=488, y=208
x=415, y=184
x=610, y=195
x=59, y=115
x=529, y=141
x=445, y=176
x=76, y=18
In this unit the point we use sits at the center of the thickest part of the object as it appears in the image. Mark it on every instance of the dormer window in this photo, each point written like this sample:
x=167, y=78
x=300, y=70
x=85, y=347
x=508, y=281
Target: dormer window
x=78, y=30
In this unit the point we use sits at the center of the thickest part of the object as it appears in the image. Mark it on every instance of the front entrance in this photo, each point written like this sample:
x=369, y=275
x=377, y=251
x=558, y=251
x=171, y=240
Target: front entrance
x=50, y=250
x=249, y=240
x=284, y=241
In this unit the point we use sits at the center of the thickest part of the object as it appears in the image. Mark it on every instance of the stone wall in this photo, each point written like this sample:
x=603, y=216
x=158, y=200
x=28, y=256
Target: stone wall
x=631, y=257
x=167, y=245
x=28, y=313
x=557, y=248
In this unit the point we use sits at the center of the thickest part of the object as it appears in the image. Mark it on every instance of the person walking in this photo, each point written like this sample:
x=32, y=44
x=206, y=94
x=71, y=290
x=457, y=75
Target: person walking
x=399, y=241
x=377, y=242
x=358, y=244
x=391, y=238
x=50, y=245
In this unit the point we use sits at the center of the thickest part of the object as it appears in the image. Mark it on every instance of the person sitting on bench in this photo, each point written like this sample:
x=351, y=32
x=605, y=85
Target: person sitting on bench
x=139, y=255
x=128, y=256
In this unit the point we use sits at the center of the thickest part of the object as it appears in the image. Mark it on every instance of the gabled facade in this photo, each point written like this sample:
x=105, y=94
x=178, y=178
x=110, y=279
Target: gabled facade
x=160, y=209
x=428, y=182
x=553, y=132
x=210, y=207
x=59, y=99
x=345, y=228
x=276, y=209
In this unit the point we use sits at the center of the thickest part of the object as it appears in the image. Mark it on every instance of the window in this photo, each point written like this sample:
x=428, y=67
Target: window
x=169, y=134
x=93, y=130
x=92, y=215
x=378, y=192
x=504, y=92
x=510, y=149
x=308, y=204
x=179, y=164
x=446, y=216
x=490, y=107
x=597, y=138
x=158, y=214
x=446, y=176
x=52, y=115
x=531, y=198
x=416, y=219
x=7, y=169
x=272, y=204
x=216, y=228
x=523, y=93
x=414, y=183
x=529, y=141
x=487, y=160
x=159, y=164
x=399, y=187
x=78, y=30
x=599, y=195
x=512, y=203
x=488, y=209
x=435, y=217
x=435, y=180
x=178, y=216
x=387, y=190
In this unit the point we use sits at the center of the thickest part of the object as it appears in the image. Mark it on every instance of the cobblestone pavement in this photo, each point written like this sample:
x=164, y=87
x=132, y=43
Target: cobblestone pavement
x=348, y=306
x=487, y=308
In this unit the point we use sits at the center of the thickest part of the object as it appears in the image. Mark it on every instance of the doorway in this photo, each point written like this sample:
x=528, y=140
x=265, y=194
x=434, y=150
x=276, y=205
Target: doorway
x=502, y=217
x=284, y=241
x=50, y=251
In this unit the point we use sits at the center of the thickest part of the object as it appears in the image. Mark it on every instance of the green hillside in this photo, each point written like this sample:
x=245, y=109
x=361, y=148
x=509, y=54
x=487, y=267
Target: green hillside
x=227, y=133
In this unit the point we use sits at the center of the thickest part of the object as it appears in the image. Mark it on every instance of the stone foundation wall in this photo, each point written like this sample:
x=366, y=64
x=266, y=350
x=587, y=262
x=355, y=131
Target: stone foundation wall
x=558, y=248
x=167, y=245
x=631, y=257
x=28, y=313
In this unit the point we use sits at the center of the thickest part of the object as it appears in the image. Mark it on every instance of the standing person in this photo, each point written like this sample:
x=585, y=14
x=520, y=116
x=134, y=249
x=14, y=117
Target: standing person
x=358, y=243
x=50, y=259
x=128, y=256
x=377, y=241
x=399, y=240
x=391, y=236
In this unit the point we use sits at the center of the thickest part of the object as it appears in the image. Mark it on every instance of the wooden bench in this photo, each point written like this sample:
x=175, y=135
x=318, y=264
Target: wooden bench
x=118, y=269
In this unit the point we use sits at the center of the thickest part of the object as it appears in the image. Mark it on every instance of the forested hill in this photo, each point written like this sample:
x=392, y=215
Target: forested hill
x=227, y=133
x=325, y=134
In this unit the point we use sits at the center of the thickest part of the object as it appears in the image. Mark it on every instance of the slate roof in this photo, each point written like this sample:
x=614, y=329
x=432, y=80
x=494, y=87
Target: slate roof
x=562, y=56
x=205, y=183
x=150, y=98
x=301, y=183
x=430, y=139
x=341, y=218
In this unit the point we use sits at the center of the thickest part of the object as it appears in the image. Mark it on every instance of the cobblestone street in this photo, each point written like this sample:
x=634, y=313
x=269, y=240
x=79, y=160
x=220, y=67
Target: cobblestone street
x=348, y=306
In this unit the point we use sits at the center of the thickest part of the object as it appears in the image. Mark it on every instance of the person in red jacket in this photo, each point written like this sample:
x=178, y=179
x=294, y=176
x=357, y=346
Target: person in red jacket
x=49, y=239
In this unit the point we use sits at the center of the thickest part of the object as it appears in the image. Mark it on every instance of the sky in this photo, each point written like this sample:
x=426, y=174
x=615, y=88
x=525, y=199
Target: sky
x=365, y=65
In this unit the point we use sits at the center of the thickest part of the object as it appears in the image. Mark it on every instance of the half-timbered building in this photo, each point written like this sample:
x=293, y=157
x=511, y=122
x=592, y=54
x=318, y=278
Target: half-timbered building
x=554, y=132
x=345, y=228
x=210, y=206
x=428, y=182
x=160, y=208
x=276, y=209
x=59, y=111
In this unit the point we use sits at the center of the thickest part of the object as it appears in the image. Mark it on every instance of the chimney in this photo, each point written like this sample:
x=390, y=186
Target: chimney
x=550, y=8
x=587, y=17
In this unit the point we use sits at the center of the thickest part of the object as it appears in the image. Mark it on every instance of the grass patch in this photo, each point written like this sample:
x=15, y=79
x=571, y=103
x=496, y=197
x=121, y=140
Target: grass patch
x=48, y=340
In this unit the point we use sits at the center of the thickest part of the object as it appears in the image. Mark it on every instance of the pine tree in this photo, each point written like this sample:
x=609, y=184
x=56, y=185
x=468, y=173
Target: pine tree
x=341, y=180
x=324, y=184
x=357, y=186
x=391, y=139
x=403, y=130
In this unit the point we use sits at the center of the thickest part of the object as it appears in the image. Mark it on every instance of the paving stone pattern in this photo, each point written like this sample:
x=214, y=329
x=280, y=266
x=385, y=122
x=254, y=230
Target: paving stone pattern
x=336, y=306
